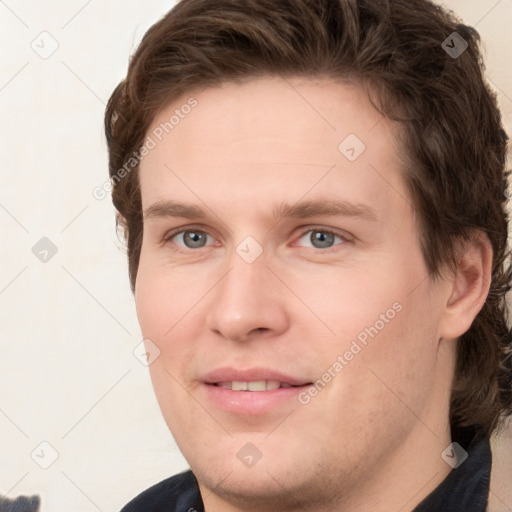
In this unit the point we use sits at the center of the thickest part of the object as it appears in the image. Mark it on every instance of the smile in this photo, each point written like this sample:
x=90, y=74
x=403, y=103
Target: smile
x=257, y=385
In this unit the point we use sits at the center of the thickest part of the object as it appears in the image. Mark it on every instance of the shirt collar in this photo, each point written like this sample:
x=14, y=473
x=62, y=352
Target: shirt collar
x=467, y=486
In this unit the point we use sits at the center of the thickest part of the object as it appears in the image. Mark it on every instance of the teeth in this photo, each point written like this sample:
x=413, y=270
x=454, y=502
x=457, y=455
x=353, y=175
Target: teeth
x=239, y=385
x=258, y=385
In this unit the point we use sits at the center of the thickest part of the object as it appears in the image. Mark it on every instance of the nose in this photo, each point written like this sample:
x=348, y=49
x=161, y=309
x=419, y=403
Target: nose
x=248, y=303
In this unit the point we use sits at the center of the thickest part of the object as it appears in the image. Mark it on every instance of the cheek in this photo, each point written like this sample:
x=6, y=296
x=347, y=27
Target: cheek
x=164, y=310
x=398, y=361
x=170, y=308
x=164, y=297
x=345, y=303
x=152, y=304
x=385, y=333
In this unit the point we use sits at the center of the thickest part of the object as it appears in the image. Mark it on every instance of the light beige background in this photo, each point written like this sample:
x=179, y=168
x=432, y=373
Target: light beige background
x=68, y=375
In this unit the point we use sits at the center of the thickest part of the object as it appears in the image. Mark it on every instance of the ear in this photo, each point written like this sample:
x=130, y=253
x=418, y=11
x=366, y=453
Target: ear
x=469, y=286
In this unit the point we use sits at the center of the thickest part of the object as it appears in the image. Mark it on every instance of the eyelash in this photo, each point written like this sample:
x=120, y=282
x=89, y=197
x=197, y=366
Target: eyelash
x=344, y=237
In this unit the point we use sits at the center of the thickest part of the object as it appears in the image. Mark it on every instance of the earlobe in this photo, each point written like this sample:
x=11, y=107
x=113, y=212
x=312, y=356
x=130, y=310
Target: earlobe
x=470, y=284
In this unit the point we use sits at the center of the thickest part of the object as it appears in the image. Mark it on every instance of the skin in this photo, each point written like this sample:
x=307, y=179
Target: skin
x=372, y=438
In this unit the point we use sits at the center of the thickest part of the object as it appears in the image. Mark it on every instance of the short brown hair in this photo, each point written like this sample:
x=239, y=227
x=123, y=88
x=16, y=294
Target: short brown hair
x=453, y=137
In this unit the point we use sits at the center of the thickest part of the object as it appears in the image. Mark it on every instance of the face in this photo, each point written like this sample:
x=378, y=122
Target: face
x=282, y=281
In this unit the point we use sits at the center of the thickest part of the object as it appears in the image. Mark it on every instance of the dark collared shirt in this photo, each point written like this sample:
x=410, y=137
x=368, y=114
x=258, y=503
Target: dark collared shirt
x=465, y=489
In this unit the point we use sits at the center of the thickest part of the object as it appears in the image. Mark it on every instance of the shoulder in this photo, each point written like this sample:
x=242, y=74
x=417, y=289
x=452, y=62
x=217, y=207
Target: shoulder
x=179, y=492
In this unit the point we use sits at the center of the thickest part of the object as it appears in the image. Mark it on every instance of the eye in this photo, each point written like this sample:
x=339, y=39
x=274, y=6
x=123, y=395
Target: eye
x=190, y=239
x=320, y=239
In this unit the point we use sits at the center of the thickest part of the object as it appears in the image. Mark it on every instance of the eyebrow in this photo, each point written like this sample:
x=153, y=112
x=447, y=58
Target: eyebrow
x=173, y=209
x=301, y=210
x=306, y=209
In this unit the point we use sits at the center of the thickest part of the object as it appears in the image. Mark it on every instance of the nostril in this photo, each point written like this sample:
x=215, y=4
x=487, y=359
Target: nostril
x=260, y=330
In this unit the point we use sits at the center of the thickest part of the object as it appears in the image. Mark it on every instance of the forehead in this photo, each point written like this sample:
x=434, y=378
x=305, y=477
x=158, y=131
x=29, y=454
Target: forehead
x=274, y=136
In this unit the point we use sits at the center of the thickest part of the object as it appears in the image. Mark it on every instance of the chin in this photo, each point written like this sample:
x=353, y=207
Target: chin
x=274, y=486
x=257, y=487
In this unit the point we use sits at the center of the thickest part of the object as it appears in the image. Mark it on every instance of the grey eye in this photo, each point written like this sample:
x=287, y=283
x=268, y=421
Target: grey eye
x=192, y=239
x=321, y=239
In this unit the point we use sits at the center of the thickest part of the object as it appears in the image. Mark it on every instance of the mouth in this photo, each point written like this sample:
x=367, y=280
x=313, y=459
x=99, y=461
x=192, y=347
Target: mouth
x=255, y=385
x=253, y=392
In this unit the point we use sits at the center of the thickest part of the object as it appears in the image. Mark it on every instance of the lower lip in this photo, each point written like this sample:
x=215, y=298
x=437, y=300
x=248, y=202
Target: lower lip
x=252, y=403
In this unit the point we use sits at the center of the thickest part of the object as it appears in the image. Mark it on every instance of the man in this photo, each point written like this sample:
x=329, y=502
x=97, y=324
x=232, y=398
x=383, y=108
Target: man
x=313, y=197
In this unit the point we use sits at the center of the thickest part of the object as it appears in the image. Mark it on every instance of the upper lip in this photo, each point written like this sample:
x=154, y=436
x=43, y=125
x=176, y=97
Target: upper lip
x=251, y=375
